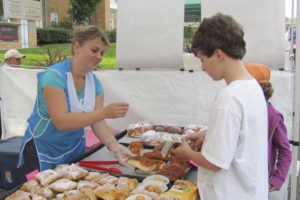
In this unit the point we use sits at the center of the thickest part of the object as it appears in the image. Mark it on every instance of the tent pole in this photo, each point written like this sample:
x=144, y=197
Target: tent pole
x=296, y=121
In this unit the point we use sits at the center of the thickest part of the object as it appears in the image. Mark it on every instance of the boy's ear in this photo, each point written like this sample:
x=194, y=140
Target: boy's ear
x=220, y=54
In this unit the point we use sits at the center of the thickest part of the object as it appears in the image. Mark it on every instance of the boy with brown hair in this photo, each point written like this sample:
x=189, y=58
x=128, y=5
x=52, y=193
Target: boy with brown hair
x=233, y=158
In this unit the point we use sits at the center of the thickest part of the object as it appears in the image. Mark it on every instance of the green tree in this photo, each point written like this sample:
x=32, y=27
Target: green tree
x=1, y=8
x=82, y=10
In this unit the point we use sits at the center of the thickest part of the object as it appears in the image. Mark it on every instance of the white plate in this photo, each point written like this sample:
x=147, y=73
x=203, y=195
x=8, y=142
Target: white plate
x=157, y=179
x=133, y=197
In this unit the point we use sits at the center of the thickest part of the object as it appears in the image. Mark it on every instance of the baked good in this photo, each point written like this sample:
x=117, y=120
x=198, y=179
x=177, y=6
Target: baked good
x=146, y=164
x=92, y=176
x=37, y=197
x=72, y=172
x=118, y=194
x=86, y=184
x=60, y=196
x=103, y=191
x=136, y=147
x=172, y=171
x=139, y=197
x=192, y=128
x=63, y=185
x=183, y=162
x=137, y=129
x=31, y=186
x=168, y=129
x=46, y=192
x=106, y=179
x=127, y=183
x=46, y=177
x=155, y=154
x=89, y=193
x=153, y=188
x=74, y=195
x=19, y=194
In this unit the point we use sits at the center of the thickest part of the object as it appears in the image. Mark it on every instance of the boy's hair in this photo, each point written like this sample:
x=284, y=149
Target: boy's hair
x=220, y=32
x=89, y=33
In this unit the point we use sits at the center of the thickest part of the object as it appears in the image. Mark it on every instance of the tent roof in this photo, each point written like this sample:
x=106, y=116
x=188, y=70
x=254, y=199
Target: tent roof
x=192, y=11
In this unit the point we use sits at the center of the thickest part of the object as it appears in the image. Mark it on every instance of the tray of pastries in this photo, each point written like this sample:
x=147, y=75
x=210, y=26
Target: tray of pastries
x=151, y=162
x=72, y=182
x=149, y=134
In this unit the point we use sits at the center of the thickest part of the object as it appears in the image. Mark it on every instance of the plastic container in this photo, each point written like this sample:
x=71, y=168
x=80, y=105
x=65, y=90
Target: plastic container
x=10, y=175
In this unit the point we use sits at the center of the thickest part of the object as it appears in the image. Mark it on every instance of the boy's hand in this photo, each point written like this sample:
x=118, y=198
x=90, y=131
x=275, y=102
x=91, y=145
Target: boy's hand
x=116, y=110
x=182, y=150
x=197, y=138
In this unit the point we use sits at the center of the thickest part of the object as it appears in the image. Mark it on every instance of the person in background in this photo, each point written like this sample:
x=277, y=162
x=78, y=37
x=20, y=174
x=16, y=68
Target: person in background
x=280, y=155
x=13, y=58
x=69, y=98
x=232, y=163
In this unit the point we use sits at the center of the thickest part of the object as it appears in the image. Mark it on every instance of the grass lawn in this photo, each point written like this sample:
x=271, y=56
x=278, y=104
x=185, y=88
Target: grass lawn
x=39, y=55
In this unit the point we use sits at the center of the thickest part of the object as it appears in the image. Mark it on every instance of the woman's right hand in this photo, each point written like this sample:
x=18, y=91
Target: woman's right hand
x=116, y=110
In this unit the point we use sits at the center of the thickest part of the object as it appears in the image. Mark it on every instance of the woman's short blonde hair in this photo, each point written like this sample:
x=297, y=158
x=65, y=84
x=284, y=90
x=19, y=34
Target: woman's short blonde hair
x=84, y=33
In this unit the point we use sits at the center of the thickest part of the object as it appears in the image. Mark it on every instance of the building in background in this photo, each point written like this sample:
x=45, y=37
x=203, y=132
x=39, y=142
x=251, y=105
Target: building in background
x=22, y=17
x=56, y=11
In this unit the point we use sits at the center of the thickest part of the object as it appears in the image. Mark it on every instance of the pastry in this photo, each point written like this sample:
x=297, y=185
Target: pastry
x=86, y=184
x=89, y=193
x=172, y=171
x=157, y=155
x=92, y=176
x=137, y=129
x=63, y=185
x=106, y=179
x=127, y=183
x=37, y=197
x=103, y=191
x=46, y=192
x=46, y=177
x=153, y=188
x=146, y=164
x=136, y=147
x=72, y=172
x=168, y=129
x=19, y=194
x=74, y=195
x=31, y=186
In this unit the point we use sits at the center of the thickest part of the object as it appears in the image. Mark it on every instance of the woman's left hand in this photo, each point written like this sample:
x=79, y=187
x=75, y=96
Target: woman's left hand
x=121, y=152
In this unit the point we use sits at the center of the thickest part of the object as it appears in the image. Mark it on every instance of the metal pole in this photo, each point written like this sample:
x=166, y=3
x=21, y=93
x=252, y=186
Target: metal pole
x=296, y=119
x=291, y=34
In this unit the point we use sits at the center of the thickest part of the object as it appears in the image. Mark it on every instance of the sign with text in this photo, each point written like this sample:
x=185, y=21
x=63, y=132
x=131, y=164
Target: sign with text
x=22, y=9
x=8, y=32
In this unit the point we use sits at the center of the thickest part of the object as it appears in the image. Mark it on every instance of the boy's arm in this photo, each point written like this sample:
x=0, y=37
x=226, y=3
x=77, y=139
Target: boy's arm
x=199, y=159
x=185, y=151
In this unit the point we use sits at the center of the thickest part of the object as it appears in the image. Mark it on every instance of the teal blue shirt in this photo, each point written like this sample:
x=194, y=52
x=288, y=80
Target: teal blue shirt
x=52, y=78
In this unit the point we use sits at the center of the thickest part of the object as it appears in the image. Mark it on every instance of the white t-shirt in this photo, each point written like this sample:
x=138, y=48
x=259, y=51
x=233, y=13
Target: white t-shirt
x=236, y=141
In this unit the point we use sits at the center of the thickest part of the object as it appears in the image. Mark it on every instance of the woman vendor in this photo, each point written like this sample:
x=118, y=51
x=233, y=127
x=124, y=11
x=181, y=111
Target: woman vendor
x=70, y=98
